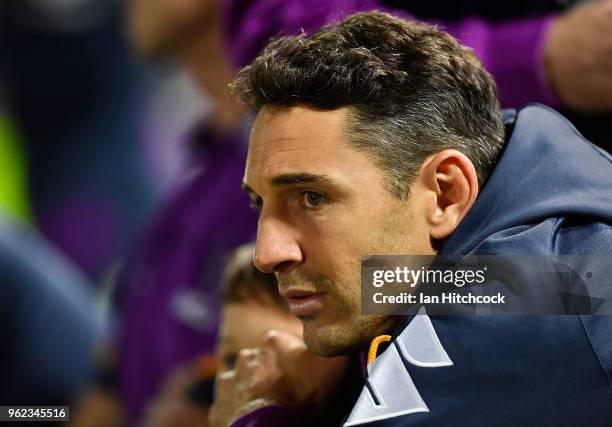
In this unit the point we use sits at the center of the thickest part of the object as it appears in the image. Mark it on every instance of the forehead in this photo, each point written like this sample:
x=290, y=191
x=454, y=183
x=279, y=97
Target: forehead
x=301, y=139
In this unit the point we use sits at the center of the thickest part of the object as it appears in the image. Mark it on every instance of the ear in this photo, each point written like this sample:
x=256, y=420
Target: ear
x=450, y=179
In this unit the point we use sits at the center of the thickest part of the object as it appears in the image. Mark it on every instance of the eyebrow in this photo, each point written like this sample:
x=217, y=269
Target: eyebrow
x=295, y=179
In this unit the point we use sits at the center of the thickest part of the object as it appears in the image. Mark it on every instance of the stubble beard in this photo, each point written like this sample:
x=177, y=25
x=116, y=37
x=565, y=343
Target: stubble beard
x=341, y=328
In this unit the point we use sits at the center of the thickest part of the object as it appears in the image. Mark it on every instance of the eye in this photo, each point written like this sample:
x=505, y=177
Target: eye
x=312, y=199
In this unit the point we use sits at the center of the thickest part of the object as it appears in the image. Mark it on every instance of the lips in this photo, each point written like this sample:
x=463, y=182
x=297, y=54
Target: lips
x=303, y=303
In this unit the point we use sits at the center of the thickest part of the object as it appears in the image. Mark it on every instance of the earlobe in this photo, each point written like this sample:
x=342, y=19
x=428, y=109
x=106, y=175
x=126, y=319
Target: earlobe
x=451, y=180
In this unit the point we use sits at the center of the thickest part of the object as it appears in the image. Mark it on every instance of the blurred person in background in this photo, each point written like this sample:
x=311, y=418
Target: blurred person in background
x=253, y=311
x=83, y=194
x=48, y=323
x=189, y=32
x=75, y=97
x=251, y=307
x=167, y=291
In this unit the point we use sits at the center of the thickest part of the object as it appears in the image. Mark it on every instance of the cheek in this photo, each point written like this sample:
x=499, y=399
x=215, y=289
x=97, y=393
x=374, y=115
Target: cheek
x=247, y=324
x=332, y=238
x=273, y=319
x=239, y=325
x=294, y=326
x=250, y=332
x=354, y=229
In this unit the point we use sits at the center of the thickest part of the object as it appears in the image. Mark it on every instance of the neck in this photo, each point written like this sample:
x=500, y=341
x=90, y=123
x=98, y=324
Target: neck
x=205, y=58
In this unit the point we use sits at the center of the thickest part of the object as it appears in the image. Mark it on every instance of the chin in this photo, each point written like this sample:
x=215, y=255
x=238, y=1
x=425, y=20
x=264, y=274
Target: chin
x=341, y=337
x=150, y=43
x=331, y=340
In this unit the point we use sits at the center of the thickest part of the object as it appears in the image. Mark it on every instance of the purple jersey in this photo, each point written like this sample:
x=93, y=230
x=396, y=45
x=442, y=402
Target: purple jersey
x=167, y=292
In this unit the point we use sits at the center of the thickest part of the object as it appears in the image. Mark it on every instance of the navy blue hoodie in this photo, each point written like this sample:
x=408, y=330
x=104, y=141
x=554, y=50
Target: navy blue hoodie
x=549, y=195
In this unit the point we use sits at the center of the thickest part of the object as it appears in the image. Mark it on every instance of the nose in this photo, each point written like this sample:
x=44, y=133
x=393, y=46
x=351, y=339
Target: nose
x=277, y=249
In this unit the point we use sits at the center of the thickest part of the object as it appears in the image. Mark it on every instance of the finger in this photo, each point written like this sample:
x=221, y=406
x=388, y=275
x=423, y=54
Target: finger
x=249, y=355
x=286, y=348
x=252, y=366
x=281, y=342
x=224, y=383
x=226, y=376
x=244, y=362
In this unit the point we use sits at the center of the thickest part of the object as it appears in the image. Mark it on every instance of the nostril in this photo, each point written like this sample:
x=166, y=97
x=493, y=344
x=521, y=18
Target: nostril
x=283, y=267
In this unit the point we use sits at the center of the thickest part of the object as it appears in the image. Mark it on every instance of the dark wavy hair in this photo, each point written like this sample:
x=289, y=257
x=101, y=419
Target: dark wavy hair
x=411, y=90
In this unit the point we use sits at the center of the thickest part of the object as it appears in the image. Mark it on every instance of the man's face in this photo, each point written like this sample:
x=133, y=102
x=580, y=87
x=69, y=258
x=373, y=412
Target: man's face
x=157, y=27
x=323, y=207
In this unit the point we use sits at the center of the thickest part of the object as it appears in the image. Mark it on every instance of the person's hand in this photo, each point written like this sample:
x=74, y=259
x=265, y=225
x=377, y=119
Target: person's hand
x=578, y=57
x=171, y=408
x=280, y=372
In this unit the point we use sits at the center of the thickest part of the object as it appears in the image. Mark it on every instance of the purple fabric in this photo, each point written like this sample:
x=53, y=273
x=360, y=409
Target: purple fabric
x=86, y=228
x=269, y=416
x=167, y=291
x=510, y=50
